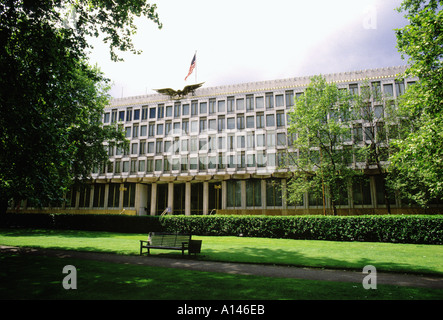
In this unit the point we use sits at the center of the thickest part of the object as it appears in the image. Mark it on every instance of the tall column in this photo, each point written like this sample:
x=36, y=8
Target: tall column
x=263, y=194
x=205, y=197
x=243, y=193
x=284, y=194
x=187, y=198
x=171, y=196
x=224, y=195
x=141, y=198
x=106, y=199
x=153, y=198
x=122, y=193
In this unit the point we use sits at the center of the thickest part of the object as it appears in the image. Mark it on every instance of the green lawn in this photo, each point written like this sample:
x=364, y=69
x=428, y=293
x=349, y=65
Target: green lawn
x=37, y=277
x=409, y=258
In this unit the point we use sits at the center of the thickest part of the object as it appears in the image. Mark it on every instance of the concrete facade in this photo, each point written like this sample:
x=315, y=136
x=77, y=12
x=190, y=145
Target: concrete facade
x=216, y=151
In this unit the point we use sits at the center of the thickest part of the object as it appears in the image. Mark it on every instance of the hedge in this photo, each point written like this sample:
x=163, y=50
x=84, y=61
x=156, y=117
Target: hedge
x=397, y=229
x=90, y=222
x=420, y=229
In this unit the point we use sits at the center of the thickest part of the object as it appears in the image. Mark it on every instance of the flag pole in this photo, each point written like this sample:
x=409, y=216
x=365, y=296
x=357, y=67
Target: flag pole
x=196, y=66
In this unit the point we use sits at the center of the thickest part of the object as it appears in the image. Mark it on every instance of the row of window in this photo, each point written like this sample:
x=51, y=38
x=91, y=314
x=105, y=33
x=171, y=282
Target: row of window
x=249, y=140
x=361, y=195
x=231, y=104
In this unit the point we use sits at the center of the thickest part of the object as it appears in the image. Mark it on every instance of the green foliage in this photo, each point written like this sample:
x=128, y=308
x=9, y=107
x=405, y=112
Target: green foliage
x=417, y=167
x=320, y=123
x=397, y=229
x=51, y=99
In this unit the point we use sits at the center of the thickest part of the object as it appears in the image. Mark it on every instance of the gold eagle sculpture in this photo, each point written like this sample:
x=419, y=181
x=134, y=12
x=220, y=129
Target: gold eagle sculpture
x=178, y=94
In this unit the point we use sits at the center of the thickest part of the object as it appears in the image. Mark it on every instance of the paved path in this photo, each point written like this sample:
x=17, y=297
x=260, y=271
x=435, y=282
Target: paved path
x=241, y=268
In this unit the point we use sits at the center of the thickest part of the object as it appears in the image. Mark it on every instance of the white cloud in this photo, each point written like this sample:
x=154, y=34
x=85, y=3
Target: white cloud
x=244, y=40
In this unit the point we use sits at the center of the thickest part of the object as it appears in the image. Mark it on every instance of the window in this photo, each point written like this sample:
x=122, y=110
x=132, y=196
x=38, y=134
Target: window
x=129, y=115
x=270, y=139
x=240, y=142
x=141, y=165
x=353, y=89
x=133, y=165
x=230, y=106
x=358, y=133
x=128, y=132
x=121, y=116
x=99, y=196
x=233, y=193
x=270, y=121
x=231, y=143
x=184, y=164
x=194, y=108
x=240, y=122
x=260, y=140
x=125, y=166
x=261, y=159
x=166, y=165
x=114, y=116
x=280, y=119
x=240, y=104
x=273, y=193
x=230, y=123
x=253, y=193
x=184, y=145
x=194, y=126
x=158, y=147
x=168, y=126
x=158, y=164
x=175, y=164
x=185, y=126
x=202, y=144
x=250, y=122
x=249, y=102
x=202, y=125
x=212, y=125
x=279, y=100
x=259, y=103
x=193, y=163
x=289, y=98
x=281, y=139
x=221, y=106
x=177, y=108
x=169, y=111
x=388, y=90
x=250, y=160
x=146, y=112
x=167, y=145
x=106, y=117
x=143, y=131
x=114, y=195
x=160, y=111
x=151, y=130
x=185, y=110
x=149, y=165
x=136, y=114
x=193, y=144
x=160, y=129
x=241, y=162
x=221, y=124
x=135, y=131
x=260, y=120
x=203, y=107
x=269, y=100
x=399, y=88
x=142, y=149
x=361, y=192
x=250, y=140
x=211, y=105
x=221, y=143
x=151, y=147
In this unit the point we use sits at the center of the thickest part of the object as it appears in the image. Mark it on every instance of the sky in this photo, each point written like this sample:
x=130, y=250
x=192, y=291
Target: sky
x=239, y=41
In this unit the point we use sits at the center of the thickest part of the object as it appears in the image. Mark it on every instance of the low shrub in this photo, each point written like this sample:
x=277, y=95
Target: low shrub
x=420, y=229
x=401, y=229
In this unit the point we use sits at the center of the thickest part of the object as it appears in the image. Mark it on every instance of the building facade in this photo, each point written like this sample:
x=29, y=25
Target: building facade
x=218, y=150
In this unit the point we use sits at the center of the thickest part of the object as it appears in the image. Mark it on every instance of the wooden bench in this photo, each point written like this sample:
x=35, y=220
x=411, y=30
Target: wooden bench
x=169, y=241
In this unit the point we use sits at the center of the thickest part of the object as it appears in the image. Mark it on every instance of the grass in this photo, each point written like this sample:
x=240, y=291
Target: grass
x=100, y=281
x=37, y=277
x=409, y=258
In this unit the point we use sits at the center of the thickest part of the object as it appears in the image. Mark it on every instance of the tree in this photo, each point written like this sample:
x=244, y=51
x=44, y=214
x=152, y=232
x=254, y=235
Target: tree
x=51, y=99
x=320, y=124
x=417, y=166
x=379, y=118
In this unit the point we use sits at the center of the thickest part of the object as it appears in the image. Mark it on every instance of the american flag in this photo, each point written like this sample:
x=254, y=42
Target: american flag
x=193, y=63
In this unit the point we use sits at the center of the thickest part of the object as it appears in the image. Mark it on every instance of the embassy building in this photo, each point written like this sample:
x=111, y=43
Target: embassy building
x=219, y=150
